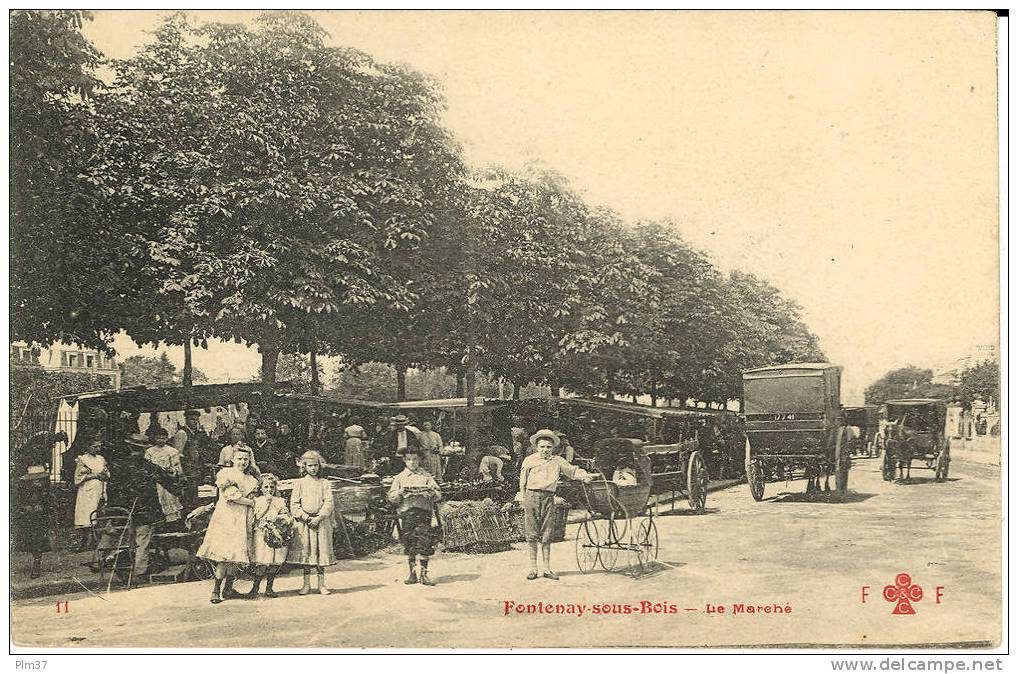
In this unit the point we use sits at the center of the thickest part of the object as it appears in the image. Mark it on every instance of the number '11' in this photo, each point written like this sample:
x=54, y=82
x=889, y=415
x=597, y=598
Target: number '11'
x=62, y=607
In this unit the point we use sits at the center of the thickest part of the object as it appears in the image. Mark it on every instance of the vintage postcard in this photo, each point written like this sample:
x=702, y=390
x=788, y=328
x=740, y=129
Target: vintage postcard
x=505, y=330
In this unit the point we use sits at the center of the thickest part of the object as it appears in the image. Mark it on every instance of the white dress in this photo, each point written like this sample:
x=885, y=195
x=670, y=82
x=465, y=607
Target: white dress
x=90, y=492
x=312, y=546
x=228, y=538
x=265, y=508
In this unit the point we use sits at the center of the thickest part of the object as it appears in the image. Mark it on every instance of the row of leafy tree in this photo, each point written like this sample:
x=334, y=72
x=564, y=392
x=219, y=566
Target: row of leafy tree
x=256, y=184
x=977, y=382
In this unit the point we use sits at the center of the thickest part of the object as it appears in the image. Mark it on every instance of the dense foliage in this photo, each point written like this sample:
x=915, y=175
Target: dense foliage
x=979, y=382
x=149, y=371
x=257, y=184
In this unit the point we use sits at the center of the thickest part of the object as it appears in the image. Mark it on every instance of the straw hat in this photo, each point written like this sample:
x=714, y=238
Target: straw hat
x=401, y=419
x=544, y=433
x=354, y=431
x=35, y=473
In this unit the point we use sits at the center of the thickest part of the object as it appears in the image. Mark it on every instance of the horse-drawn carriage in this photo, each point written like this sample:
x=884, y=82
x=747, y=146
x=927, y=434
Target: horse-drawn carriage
x=863, y=423
x=619, y=518
x=916, y=430
x=794, y=427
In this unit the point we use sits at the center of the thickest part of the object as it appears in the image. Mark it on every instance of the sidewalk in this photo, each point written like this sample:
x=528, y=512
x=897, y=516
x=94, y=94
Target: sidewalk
x=980, y=449
x=63, y=573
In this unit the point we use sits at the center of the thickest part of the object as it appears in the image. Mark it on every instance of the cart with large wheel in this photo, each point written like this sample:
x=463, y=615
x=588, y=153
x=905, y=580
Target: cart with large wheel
x=679, y=469
x=794, y=427
x=916, y=431
x=619, y=531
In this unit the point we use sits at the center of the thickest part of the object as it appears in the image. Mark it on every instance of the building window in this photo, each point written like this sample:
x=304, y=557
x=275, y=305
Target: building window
x=89, y=362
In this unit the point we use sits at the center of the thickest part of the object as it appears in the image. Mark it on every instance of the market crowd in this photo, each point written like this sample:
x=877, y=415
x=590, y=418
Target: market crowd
x=155, y=477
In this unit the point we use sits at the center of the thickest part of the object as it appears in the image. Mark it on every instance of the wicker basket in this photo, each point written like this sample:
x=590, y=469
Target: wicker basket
x=477, y=530
x=558, y=532
x=354, y=499
x=605, y=498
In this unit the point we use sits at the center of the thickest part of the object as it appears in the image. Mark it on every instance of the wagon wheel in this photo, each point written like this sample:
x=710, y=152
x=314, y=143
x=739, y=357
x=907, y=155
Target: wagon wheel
x=842, y=464
x=888, y=465
x=696, y=483
x=644, y=546
x=755, y=478
x=617, y=530
x=754, y=474
x=589, y=538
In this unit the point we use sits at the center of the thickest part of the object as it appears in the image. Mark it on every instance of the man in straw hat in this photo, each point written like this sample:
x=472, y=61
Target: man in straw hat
x=539, y=476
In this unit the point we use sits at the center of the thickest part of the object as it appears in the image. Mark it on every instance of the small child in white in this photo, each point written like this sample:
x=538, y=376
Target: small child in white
x=270, y=548
x=311, y=506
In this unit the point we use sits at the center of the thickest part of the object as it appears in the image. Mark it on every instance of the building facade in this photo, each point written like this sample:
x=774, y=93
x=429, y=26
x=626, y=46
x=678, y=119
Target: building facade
x=69, y=358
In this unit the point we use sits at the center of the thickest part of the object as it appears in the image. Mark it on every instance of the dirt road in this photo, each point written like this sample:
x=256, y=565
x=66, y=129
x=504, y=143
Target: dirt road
x=815, y=559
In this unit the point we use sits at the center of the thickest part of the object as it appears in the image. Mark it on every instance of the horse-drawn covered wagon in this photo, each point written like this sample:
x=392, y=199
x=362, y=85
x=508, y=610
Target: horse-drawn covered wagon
x=916, y=430
x=794, y=427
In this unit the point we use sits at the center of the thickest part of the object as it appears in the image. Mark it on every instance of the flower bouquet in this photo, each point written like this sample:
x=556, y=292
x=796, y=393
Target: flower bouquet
x=277, y=531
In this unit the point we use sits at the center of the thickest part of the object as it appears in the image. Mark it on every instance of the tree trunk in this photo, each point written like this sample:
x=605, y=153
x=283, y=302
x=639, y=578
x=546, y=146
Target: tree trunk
x=653, y=394
x=471, y=385
x=270, y=357
x=186, y=375
x=400, y=382
x=610, y=385
x=635, y=399
x=461, y=389
x=316, y=384
x=556, y=388
x=516, y=391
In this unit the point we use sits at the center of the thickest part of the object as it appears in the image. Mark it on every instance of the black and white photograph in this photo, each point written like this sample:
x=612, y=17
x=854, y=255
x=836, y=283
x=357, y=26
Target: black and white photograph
x=521, y=330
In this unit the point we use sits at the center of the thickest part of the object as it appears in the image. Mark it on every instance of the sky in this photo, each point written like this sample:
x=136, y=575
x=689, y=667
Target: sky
x=848, y=158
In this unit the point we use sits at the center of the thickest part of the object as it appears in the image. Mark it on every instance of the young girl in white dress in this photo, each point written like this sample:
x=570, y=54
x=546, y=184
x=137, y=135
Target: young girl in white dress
x=90, y=476
x=267, y=559
x=228, y=538
x=311, y=507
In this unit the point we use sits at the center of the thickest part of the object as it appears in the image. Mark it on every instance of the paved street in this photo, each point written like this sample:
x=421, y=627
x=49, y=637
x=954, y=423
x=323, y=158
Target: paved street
x=814, y=557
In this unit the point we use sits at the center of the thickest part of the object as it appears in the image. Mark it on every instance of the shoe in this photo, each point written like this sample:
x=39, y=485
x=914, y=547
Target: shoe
x=324, y=590
x=270, y=594
x=425, y=580
x=304, y=590
x=216, y=599
x=551, y=575
x=532, y=575
x=233, y=594
x=411, y=579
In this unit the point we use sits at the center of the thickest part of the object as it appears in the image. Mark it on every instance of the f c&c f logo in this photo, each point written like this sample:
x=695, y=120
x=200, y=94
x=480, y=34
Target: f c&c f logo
x=903, y=594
